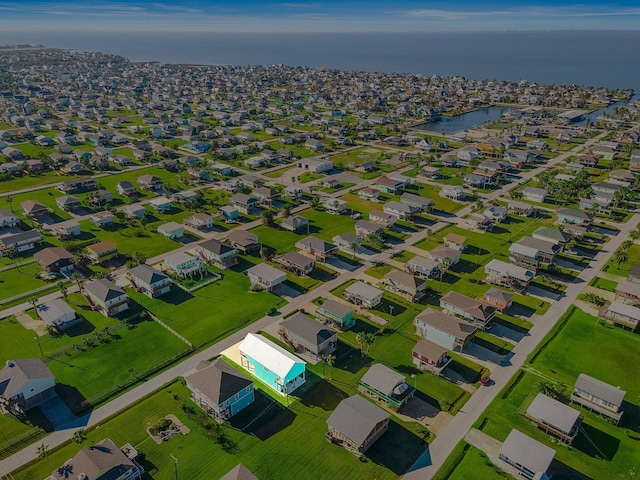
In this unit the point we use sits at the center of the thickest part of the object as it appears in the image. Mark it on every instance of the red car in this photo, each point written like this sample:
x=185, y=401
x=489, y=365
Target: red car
x=485, y=380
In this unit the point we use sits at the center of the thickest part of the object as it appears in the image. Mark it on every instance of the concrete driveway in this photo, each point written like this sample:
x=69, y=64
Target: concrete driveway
x=59, y=415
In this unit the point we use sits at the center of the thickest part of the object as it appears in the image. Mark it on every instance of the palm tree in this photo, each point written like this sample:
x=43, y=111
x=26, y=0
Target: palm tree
x=444, y=266
x=79, y=436
x=626, y=245
x=80, y=259
x=621, y=256
x=267, y=217
x=365, y=340
x=354, y=248
x=634, y=235
x=43, y=451
x=63, y=290
x=9, y=200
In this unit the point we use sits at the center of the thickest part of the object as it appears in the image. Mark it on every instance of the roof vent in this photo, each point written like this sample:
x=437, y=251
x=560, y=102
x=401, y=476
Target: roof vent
x=10, y=363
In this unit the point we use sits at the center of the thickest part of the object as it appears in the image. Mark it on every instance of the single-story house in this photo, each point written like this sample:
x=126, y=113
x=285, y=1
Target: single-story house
x=520, y=208
x=455, y=241
x=146, y=279
x=296, y=263
x=54, y=259
x=598, y=396
x=356, y=424
x=406, y=285
x=622, y=314
x=184, y=265
x=529, y=457
x=452, y=192
x=634, y=273
x=102, y=461
x=243, y=202
x=273, y=365
x=498, y=298
x=573, y=216
x=57, y=313
x=315, y=165
x=423, y=267
x=386, y=386
x=295, y=223
x=508, y=275
x=554, y=418
x=472, y=310
x=444, y=330
x=383, y=218
x=219, y=389
x=628, y=292
x=217, y=253
x=535, y=194
x=161, y=204
x=336, y=314
x=316, y=248
x=363, y=294
x=308, y=337
x=102, y=251
x=430, y=356
x=265, y=276
x=244, y=241
x=441, y=252
x=171, y=230
x=335, y=206
x=68, y=202
x=25, y=383
x=106, y=296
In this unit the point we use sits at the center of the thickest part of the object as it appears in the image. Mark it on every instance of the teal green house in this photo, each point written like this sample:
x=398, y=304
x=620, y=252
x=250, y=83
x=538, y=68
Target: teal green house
x=337, y=314
x=271, y=364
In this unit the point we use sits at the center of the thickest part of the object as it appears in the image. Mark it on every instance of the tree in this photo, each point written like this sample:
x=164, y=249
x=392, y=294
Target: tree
x=330, y=359
x=43, y=451
x=286, y=211
x=79, y=436
x=444, y=266
x=365, y=340
x=634, y=235
x=9, y=200
x=626, y=245
x=267, y=217
x=63, y=290
x=375, y=240
x=139, y=258
x=81, y=259
x=621, y=256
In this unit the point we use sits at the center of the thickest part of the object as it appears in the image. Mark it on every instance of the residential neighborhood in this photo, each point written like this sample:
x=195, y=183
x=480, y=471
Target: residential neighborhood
x=202, y=264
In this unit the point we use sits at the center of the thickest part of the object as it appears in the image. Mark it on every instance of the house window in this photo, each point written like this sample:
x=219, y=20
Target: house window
x=248, y=389
x=236, y=396
x=265, y=369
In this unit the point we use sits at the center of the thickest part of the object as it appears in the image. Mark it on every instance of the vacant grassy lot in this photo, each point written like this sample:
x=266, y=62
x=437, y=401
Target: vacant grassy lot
x=475, y=464
x=99, y=369
x=603, y=284
x=17, y=281
x=282, y=443
x=212, y=312
x=623, y=268
x=32, y=180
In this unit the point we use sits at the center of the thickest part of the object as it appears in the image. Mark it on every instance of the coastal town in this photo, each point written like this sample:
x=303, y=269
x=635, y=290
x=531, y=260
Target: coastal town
x=275, y=272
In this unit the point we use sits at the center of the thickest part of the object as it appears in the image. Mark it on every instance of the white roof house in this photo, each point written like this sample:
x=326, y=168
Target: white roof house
x=270, y=355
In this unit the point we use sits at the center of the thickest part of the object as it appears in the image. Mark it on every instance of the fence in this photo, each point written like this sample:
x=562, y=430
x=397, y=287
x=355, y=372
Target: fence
x=160, y=322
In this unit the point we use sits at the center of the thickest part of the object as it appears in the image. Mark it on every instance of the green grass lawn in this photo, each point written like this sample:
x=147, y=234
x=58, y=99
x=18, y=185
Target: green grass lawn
x=211, y=313
x=17, y=281
x=270, y=441
x=278, y=173
x=98, y=370
x=433, y=192
x=603, y=284
x=309, y=177
x=475, y=464
x=623, y=269
x=33, y=180
x=379, y=271
x=359, y=205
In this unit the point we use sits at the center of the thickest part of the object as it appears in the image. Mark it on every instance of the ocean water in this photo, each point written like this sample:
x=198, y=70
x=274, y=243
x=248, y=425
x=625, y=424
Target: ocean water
x=597, y=58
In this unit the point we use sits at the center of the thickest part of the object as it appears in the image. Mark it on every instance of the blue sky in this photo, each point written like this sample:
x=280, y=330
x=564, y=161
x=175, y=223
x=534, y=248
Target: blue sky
x=315, y=16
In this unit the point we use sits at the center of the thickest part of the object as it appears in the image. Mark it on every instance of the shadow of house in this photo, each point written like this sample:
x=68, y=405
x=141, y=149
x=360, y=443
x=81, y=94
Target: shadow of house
x=397, y=439
x=72, y=397
x=324, y=395
x=596, y=443
x=264, y=418
x=348, y=358
x=391, y=307
x=176, y=296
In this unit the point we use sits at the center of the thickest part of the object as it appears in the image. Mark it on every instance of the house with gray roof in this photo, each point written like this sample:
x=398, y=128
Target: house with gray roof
x=386, y=386
x=444, y=330
x=498, y=298
x=363, y=294
x=423, y=204
x=105, y=296
x=296, y=263
x=244, y=241
x=21, y=242
x=8, y=219
x=295, y=223
x=554, y=418
x=57, y=313
x=520, y=208
x=529, y=457
x=24, y=384
x=146, y=279
x=552, y=235
x=628, y=292
x=217, y=253
x=508, y=275
x=336, y=314
x=307, y=336
x=239, y=472
x=406, y=285
x=356, y=424
x=54, y=259
x=430, y=356
x=316, y=248
x=598, y=396
x=103, y=461
x=265, y=276
x=472, y=310
x=219, y=389
x=423, y=267
x=535, y=194
x=622, y=314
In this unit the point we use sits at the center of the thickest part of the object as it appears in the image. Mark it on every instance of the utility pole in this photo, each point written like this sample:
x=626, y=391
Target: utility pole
x=37, y=339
